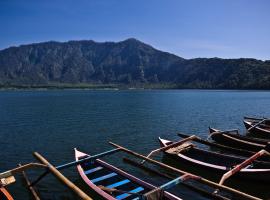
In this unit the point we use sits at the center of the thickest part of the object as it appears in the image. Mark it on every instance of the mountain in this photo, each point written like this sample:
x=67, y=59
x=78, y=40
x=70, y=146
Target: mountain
x=129, y=62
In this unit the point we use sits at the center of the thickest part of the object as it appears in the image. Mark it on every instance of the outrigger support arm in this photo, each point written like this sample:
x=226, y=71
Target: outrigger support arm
x=73, y=163
x=21, y=169
x=257, y=124
x=192, y=137
x=62, y=178
x=87, y=159
x=198, y=178
x=242, y=165
x=32, y=189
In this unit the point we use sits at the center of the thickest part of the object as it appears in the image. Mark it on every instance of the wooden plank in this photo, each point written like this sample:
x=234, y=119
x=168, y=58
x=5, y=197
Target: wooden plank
x=117, y=184
x=125, y=195
x=93, y=170
x=62, y=178
x=104, y=177
x=192, y=137
x=198, y=178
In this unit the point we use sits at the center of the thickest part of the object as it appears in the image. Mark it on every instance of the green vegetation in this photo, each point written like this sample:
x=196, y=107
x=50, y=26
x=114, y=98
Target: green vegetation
x=126, y=64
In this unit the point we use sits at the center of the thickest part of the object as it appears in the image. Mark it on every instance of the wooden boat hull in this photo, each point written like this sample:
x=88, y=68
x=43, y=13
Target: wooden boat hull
x=203, y=160
x=4, y=194
x=122, y=179
x=227, y=149
x=232, y=141
x=259, y=130
x=241, y=137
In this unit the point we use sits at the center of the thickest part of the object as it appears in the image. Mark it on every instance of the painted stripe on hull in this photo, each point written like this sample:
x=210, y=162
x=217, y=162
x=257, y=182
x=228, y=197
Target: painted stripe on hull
x=118, y=184
x=92, y=170
x=103, y=177
x=122, y=196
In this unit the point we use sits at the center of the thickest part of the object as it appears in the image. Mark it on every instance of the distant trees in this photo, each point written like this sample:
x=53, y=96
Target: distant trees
x=130, y=63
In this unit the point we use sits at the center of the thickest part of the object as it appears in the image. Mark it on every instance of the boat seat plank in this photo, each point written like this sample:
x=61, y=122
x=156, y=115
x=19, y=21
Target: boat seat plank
x=103, y=177
x=92, y=170
x=125, y=195
x=118, y=183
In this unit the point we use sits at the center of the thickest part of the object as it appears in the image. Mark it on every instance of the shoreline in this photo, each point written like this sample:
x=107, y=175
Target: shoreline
x=98, y=87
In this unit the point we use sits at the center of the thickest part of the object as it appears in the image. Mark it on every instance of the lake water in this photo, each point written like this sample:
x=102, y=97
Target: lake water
x=54, y=122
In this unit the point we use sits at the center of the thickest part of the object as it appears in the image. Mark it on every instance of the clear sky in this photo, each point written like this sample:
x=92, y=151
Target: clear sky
x=190, y=28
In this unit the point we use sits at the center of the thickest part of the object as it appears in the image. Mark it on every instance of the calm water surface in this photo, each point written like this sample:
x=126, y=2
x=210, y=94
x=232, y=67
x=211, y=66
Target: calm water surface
x=54, y=122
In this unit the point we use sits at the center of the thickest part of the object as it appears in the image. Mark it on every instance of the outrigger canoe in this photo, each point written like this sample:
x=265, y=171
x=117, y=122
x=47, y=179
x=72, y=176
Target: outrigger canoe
x=4, y=194
x=237, y=141
x=234, y=134
x=100, y=176
x=258, y=126
x=217, y=163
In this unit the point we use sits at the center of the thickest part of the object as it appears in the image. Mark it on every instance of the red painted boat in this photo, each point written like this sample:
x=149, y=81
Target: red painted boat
x=97, y=173
x=4, y=194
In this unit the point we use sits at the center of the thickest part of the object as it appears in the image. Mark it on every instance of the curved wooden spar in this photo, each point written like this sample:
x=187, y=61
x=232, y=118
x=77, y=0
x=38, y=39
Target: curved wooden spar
x=192, y=137
x=62, y=178
x=242, y=165
x=21, y=169
x=257, y=124
x=200, y=179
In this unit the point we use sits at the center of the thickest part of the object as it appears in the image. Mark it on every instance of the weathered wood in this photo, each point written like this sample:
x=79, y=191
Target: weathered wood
x=192, y=137
x=257, y=124
x=62, y=178
x=198, y=178
x=21, y=168
x=32, y=189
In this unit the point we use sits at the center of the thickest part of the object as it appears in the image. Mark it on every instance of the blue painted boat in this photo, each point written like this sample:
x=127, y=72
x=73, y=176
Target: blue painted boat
x=101, y=177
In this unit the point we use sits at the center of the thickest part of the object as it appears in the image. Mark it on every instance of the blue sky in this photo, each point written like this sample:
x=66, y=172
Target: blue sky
x=191, y=28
